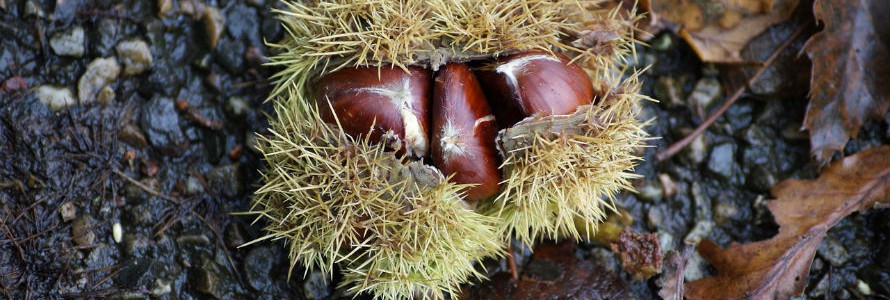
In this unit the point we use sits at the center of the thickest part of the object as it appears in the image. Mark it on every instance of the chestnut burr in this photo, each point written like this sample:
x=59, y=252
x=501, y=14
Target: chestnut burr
x=535, y=83
x=383, y=102
x=464, y=132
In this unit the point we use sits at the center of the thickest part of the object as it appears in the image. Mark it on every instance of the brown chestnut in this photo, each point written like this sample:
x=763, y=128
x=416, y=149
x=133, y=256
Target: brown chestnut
x=535, y=83
x=464, y=132
x=390, y=100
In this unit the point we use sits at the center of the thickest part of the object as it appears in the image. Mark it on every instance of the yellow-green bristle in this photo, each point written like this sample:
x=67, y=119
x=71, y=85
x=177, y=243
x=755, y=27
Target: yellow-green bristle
x=389, y=224
x=560, y=168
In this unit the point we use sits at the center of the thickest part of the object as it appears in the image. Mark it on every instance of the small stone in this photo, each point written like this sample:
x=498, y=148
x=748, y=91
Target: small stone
x=193, y=186
x=56, y=97
x=724, y=212
x=833, y=251
x=702, y=202
x=206, y=279
x=253, y=142
x=106, y=95
x=235, y=235
x=696, y=267
x=700, y=231
x=226, y=180
x=237, y=106
x=193, y=240
x=257, y=265
x=164, y=7
x=316, y=286
x=160, y=287
x=863, y=288
x=68, y=211
x=668, y=185
x=655, y=216
x=135, y=56
x=117, y=232
x=214, y=24
x=722, y=160
x=82, y=231
x=650, y=191
x=705, y=92
x=135, y=245
x=132, y=135
x=160, y=122
x=68, y=42
x=192, y=8
x=698, y=149
x=100, y=73
x=33, y=9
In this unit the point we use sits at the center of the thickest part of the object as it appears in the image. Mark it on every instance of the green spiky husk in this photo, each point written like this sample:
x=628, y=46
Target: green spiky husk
x=335, y=200
x=562, y=169
x=390, y=225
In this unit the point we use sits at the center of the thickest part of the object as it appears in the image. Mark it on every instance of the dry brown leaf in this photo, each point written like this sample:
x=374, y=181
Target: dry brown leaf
x=777, y=268
x=554, y=272
x=851, y=72
x=671, y=281
x=718, y=29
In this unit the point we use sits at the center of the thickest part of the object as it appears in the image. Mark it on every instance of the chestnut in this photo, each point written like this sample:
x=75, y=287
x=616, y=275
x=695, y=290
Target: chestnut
x=380, y=102
x=464, y=132
x=535, y=83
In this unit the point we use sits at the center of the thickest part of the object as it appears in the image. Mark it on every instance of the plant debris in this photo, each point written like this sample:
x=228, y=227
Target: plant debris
x=719, y=29
x=851, y=72
x=777, y=268
x=640, y=254
x=554, y=272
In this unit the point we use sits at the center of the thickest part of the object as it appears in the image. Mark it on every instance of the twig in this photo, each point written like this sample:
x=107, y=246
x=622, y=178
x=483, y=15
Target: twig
x=675, y=148
x=511, y=262
x=145, y=188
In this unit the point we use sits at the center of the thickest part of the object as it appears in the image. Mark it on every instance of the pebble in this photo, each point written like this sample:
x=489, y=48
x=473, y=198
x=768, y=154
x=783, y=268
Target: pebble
x=722, y=160
x=214, y=24
x=82, y=231
x=56, y=97
x=164, y=7
x=68, y=211
x=700, y=231
x=100, y=73
x=724, y=212
x=668, y=184
x=257, y=266
x=106, y=95
x=68, y=42
x=135, y=56
x=696, y=267
x=132, y=135
x=193, y=186
x=705, y=92
x=698, y=149
x=117, y=232
x=650, y=191
x=833, y=251
x=316, y=286
x=226, y=180
x=237, y=106
x=206, y=280
x=160, y=122
x=160, y=287
x=863, y=288
x=33, y=9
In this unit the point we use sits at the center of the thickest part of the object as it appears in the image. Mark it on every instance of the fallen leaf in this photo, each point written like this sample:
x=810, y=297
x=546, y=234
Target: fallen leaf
x=851, y=72
x=718, y=29
x=805, y=210
x=554, y=272
x=640, y=254
x=671, y=281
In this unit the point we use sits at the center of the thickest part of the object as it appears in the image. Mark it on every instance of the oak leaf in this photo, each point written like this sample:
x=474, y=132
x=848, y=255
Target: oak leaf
x=851, y=71
x=805, y=210
x=719, y=29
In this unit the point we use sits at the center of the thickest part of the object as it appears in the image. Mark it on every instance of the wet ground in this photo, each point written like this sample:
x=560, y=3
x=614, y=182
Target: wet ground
x=131, y=195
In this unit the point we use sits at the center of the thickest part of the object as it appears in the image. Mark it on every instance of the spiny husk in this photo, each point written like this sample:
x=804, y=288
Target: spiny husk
x=560, y=169
x=324, y=36
x=397, y=229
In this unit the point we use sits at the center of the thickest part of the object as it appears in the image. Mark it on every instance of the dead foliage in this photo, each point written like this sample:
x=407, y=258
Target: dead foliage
x=805, y=210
